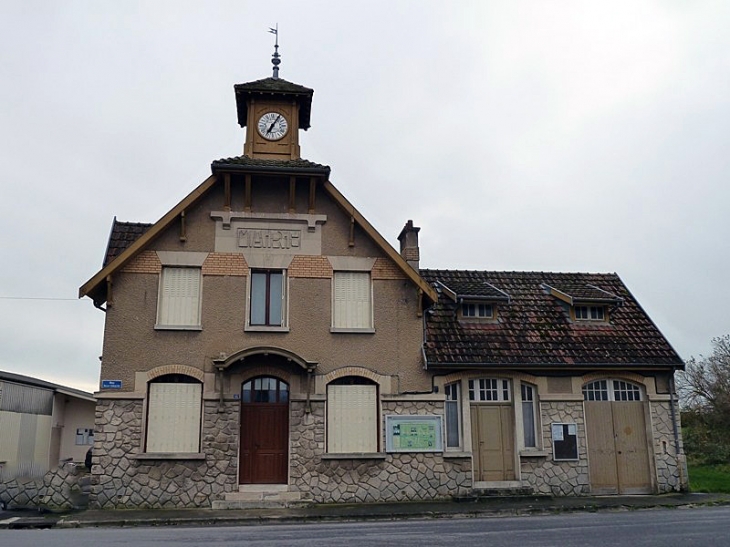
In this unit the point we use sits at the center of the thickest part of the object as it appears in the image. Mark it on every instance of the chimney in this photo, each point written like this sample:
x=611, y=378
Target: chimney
x=409, y=244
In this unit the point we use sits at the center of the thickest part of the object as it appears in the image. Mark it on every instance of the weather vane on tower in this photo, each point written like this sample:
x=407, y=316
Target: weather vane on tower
x=275, y=60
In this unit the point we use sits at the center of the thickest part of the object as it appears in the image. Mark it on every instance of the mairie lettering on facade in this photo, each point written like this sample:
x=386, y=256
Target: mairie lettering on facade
x=268, y=239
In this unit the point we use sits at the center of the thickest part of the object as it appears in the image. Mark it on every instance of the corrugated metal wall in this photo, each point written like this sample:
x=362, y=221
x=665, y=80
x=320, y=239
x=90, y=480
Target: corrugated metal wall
x=26, y=399
x=25, y=430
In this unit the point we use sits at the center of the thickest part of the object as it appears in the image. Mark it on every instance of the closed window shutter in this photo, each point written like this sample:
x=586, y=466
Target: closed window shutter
x=180, y=297
x=352, y=418
x=352, y=300
x=173, y=423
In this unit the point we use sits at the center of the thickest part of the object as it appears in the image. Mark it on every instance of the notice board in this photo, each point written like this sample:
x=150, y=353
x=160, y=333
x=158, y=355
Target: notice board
x=413, y=433
x=565, y=441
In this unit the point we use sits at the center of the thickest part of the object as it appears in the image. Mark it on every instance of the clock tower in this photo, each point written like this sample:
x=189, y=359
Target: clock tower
x=273, y=110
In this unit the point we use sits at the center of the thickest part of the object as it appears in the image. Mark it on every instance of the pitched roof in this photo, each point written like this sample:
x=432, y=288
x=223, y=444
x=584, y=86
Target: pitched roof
x=274, y=86
x=535, y=329
x=259, y=165
x=122, y=235
x=96, y=288
x=475, y=289
x=37, y=382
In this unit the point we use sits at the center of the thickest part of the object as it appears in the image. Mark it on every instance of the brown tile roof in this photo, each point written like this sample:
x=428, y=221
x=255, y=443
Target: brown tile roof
x=122, y=235
x=476, y=289
x=582, y=292
x=246, y=163
x=535, y=328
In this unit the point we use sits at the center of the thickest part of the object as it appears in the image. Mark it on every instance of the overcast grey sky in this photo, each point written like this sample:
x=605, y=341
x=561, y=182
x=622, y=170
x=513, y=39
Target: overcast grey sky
x=520, y=135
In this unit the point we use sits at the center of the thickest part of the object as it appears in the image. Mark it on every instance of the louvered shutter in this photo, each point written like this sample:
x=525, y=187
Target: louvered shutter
x=352, y=307
x=179, y=297
x=173, y=422
x=352, y=418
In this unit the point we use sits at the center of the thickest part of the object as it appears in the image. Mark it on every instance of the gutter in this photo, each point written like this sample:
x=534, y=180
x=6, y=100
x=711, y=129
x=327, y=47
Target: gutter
x=260, y=169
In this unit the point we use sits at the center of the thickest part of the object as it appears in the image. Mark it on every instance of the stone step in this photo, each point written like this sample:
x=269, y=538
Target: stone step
x=232, y=504
x=476, y=494
x=263, y=496
x=260, y=497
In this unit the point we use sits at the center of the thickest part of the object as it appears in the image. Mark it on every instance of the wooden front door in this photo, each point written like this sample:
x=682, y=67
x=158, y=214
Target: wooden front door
x=493, y=442
x=264, y=450
x=618, y=453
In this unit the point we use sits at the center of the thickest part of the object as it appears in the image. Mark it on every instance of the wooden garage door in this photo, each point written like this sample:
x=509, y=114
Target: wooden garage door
x=617, y=447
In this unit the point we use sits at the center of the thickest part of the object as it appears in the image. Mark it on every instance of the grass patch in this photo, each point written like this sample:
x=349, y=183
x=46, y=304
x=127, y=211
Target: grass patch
x=709, y=478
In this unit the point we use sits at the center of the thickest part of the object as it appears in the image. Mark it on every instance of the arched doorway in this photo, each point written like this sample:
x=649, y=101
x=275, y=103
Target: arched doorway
x=618, y=451
x=264, y=445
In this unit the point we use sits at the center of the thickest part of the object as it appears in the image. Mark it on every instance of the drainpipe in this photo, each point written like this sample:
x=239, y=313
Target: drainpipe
x=423, y=345
x=675, y=428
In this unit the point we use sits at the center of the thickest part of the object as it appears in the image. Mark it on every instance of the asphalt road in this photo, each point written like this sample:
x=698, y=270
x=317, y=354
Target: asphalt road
x=706, y=527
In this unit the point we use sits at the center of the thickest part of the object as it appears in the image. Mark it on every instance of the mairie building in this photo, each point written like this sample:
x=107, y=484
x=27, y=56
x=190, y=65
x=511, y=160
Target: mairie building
x=264, y=343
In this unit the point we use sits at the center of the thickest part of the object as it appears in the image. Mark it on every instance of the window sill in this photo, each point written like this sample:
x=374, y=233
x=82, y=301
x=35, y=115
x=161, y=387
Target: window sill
x=353, y=331
x=179, y=327
x=168, y=456
x=355, y=456
x=534, y=453
x=455, y=454
x=264, y=328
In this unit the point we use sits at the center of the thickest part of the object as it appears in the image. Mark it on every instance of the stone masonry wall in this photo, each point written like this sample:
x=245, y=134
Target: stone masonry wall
x=559, y=478
x=401, y=477
x=120, y=481
x=60, y=489
x=671, y=469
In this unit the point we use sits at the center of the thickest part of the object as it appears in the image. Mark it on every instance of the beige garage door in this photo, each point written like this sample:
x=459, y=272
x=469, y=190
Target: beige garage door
x=493, y=442
x=618, y=452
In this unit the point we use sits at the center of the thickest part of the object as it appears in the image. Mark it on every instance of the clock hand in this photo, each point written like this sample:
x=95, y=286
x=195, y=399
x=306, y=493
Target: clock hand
x=273, y=124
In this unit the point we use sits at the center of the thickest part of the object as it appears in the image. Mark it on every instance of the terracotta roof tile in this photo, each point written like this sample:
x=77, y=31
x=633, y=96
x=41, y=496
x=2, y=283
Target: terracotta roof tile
x=535, y=328
x=122, y=235
x=286, y=166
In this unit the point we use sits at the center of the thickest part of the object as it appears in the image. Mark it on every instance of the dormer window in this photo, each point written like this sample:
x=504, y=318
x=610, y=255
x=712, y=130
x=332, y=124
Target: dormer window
x=585, y=302
x=589, y=313
x=477, y=311
x=475, y=300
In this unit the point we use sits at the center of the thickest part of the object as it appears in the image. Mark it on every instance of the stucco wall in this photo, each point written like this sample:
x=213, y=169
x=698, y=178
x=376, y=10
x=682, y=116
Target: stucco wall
x=131, y=344
x=78, y=414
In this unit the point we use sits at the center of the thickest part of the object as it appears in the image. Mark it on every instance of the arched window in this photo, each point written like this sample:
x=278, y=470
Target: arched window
x=173, y=414
x=352, y=415
x=611, y=390
x=265, y=389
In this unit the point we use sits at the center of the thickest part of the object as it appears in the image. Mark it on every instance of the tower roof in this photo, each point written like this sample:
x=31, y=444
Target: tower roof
x=274, y=87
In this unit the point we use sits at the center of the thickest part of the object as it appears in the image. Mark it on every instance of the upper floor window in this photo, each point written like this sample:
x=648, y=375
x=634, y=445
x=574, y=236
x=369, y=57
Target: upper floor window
x=590, y=313
x=480, y=311
x=267, y=299
x=352, y=301
x=178, y=304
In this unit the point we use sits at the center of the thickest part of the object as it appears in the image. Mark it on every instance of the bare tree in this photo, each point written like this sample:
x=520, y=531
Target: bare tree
x=705, y=391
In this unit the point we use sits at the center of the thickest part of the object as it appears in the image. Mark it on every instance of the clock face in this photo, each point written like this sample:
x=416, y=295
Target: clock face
x=273, y=126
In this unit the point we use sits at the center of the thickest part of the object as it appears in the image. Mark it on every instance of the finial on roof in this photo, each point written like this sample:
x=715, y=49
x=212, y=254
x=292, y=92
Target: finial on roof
x=275, y=60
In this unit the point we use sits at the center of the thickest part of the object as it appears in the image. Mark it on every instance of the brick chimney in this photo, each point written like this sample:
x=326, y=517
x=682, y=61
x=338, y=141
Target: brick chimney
x=409, y=244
